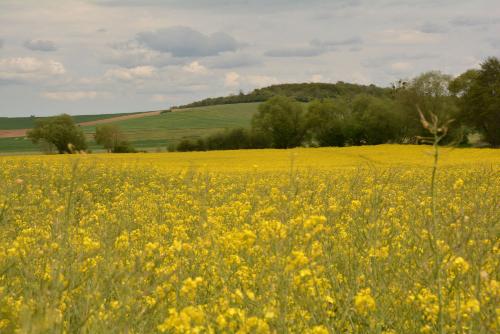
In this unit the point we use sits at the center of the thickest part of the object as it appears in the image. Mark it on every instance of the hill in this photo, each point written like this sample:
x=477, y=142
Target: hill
x=160, y=130
x=15, y=123
x=303, y=92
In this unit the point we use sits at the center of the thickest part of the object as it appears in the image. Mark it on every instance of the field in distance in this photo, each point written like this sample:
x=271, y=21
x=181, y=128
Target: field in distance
x=150, y=131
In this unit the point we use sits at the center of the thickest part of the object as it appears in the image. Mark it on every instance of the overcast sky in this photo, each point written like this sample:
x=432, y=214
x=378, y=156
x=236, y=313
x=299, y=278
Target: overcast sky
x=109, y=56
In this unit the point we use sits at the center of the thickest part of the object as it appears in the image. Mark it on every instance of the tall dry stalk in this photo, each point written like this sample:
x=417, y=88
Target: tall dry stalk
x=438, y=132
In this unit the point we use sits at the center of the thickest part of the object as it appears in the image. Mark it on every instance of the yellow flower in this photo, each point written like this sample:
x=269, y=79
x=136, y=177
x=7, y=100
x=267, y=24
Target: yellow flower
x=364, y=302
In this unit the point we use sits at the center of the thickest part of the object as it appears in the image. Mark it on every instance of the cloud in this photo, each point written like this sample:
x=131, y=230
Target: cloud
x=401, y=66
x=392, y=36
x=195, y=67
x=389, y=60
x=304, y=51
x=315, y=48
x=28, y=69
x=186, y=42
x=317, y=78
x=432, y=28
x=232, y=79
x=236, y=59
x=130, y=54
x=464, y=21
x=342, y=42
x=129, y=74
x=159, y=98
x=70, y=95
x=259, y=81
x=1, y=43
x=40, y=45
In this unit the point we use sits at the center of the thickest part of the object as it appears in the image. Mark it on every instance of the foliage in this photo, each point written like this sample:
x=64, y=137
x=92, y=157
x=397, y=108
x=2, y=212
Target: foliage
x=250, y=242
x=282, y=120
x=303, y=92
x=112, y=139
x=233, y=139
x=428, y=91
x=60, y=131
x=479, y=97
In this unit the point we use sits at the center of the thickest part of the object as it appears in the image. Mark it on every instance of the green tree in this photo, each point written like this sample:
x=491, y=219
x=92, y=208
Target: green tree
x=109, y=136
x=479, y=95
x=59, y=131
x=430, y=92
x=379, y=121
x=112, y=139
x=326, y=121
x=282, y=120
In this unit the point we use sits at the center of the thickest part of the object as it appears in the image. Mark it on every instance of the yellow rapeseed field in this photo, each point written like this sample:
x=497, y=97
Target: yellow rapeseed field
x=340, y=240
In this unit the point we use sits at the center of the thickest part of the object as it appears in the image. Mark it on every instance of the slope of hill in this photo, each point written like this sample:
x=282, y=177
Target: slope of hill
x=303, y=92
x=15, y=123
x=159, y=130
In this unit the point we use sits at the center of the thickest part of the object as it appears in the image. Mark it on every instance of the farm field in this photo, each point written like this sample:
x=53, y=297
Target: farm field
x=14, y=123
x=330, y=240
x=151, y=132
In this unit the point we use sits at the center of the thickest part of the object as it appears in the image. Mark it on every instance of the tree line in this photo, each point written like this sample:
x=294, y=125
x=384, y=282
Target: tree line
x=470, y=102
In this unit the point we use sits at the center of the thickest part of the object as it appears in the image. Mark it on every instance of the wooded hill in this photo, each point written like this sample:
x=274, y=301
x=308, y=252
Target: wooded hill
x=302, y=92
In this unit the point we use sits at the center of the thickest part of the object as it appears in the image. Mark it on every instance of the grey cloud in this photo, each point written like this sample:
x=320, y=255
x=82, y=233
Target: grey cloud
x=40, y=45
x=474, y=21
x=342, y=42
x=263, y=5
x=495, y=43
x=229, y=60
x=432, y=28
x=385, y=60
x=316, y=48
x=186, y=42
x=306, y=51
x=1, y=43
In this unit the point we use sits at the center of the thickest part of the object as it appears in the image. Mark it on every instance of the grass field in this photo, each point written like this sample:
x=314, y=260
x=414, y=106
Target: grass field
x=330, y=240
x=155, y=131
x=12, y=123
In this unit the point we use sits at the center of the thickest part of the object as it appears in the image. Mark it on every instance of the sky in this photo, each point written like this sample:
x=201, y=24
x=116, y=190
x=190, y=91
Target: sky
x=111, y=56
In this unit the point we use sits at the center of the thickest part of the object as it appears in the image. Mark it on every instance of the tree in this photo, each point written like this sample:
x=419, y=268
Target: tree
x=379, y=120
x=282, y=120
x=428, y=91
x=112, y=139
x=59, y=131
x=479, y=94
x=326, y=121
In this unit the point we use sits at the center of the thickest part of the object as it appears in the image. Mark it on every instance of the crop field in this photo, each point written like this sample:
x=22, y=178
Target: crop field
x=14, y=123
x=149, y=132
x=330, y=240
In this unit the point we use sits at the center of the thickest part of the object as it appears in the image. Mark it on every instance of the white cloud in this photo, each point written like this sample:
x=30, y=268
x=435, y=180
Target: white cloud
x=259, y=81
x=401, y=66
x=195, y=67
x=406, y=37
x=159, y=98
x=130, y=54
x=317, y=78
x=70, y=95
x=232, y=79
x=129, y=74
x=27, y=69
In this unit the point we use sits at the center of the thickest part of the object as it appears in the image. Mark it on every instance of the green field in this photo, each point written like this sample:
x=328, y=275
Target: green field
x=152, y=132
x=13, y=123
